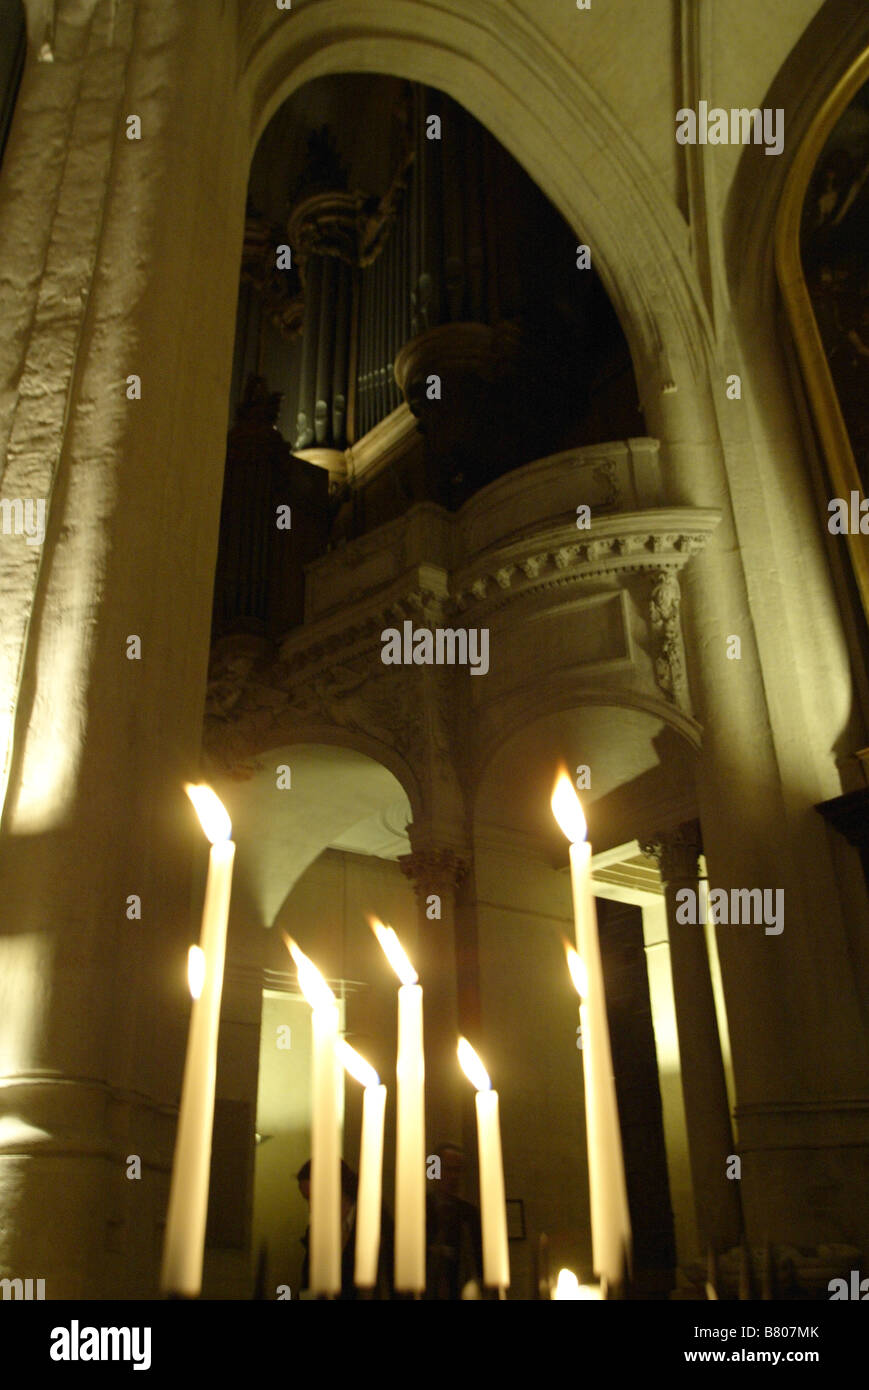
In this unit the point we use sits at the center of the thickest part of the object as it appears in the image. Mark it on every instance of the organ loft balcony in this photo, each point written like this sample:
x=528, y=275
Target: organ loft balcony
x=425, y=365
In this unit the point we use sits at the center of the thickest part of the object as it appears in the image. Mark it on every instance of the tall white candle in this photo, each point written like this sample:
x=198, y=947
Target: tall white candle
x=610, y=1218
x=325, y=1262
x=493, y=1205
x=184, y=1242
x=410, y=1121
x=410, y=1144
x=324, y=1247
x=368, y=1197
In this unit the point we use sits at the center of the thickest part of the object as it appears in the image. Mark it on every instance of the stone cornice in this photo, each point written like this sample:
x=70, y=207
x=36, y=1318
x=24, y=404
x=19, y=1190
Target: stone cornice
x=655, y=541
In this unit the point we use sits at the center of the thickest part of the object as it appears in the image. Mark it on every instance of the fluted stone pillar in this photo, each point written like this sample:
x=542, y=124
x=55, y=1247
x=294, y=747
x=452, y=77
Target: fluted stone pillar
x=707, y=1110
x=436, y=872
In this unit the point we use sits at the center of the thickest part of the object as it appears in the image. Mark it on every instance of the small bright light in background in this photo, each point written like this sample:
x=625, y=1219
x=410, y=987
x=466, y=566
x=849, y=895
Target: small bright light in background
x=394, y=952
x=357, y=1066
x=312, y=983
x=578, y=972
x=472, y=1066
x=567, y=810
x=196, y=970
x=213, y=815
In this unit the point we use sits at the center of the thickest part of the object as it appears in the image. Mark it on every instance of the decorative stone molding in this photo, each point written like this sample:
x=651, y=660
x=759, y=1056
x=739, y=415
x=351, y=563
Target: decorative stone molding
x=256, y=705
x=605, y=473
x=628, y=543
x=676, y=852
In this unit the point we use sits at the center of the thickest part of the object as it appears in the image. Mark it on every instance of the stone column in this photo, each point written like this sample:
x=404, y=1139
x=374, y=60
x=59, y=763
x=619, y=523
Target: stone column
x=436, y=872
x=707, y=1110
x=770, y=721
x=120, y=258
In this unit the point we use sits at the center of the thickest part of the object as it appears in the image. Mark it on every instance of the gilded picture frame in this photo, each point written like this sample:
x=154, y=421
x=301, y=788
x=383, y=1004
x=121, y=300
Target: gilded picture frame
x=832, y=430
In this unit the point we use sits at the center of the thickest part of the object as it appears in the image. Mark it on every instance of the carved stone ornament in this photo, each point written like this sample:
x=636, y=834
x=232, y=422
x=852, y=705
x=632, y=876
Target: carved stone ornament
x=664, y=616
x=251, y=704
x=433, y=870
x=518, y=568
x=606, y=473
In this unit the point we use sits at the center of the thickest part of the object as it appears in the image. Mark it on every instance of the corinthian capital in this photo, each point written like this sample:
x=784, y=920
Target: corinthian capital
x=676, y=852
x=433, y=870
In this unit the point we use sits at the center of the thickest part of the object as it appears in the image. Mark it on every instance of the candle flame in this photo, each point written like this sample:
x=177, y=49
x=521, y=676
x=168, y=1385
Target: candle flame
x=394, y=952
x=196, y=970
x=312, y=983
x=578, y=972
x=213, y=816
x=567, y=810
x=472, y=1066
x=357, y=1066
x=568, y=1286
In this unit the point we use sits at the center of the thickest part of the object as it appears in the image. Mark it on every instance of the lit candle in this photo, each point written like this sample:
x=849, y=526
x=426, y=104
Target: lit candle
x=184, y=1242
x=493, y=1205
x=579, y=975
x=325, y=1227
x=370, y=1166
x=410, y=1121
x=610, y=1219
x=569, y=1287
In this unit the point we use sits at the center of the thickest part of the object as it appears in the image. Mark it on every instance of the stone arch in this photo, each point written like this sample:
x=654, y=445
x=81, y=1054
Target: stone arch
x=334, y=787
x=256, y=748
x=528, y=706
x=655, y=744
x=547, y=116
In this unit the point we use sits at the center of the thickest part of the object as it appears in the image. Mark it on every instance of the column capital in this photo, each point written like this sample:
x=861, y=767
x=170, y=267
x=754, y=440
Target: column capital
x=676, y=851
x=433, y=870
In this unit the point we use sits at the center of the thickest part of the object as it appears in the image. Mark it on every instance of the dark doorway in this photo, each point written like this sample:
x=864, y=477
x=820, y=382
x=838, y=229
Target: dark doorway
x=635, y=1066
